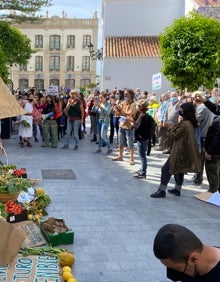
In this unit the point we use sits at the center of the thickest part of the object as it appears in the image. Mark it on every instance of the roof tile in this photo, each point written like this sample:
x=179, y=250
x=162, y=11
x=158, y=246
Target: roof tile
x=132, y=46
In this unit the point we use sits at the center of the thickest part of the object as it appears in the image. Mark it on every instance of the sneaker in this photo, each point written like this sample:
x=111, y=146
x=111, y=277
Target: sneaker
x=45, y=145
x=140, y=176
x=117, y=159
x=98, y=151
x=136, y=172
x=159, y=194
x=65, y=147
x=131, y=162
x=109, y=152
x=76, y=147
x=174, y=192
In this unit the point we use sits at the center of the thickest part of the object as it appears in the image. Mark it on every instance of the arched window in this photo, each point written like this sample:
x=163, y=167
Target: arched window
x=39, y=84
x=54, y=63
x=85, y=63
x=70, y=63
x=55, y=82
x=70, y=41
x=70, y=83
x=38, y=41
x=86, y=40
x=23, y=83
x=54, y=42
x=39, y=63
x=84, y=82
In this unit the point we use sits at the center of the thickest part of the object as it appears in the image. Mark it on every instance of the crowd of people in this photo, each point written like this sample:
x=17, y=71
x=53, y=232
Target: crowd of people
x=184, y=125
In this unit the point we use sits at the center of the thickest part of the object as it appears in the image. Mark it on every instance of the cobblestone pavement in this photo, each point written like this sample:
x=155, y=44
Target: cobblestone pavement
x=111, y=213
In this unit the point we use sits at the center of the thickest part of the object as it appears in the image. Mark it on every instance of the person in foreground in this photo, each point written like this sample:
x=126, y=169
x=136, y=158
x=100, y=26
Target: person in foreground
x=184, y=156
x=187, y=259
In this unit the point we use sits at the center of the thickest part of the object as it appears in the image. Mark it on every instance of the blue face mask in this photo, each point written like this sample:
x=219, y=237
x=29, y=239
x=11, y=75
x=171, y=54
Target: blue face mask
x=174, y=99
x=137, y=108
x=116, y=96
x=126, y=98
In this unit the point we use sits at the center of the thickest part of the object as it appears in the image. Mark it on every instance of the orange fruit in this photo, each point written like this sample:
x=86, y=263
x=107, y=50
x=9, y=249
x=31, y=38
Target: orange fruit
x=67, y=275
x=66, y=269
x=73, y=279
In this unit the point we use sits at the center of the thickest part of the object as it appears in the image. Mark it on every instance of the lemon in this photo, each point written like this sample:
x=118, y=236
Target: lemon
x=67, y=275
x=66, y=269
x=30, y=216
x=39, y=191
x=73, y=279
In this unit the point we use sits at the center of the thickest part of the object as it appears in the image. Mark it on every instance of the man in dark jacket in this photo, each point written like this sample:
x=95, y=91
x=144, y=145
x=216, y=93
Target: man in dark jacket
x=144, y=128
x=187, y=259
x=212, y=155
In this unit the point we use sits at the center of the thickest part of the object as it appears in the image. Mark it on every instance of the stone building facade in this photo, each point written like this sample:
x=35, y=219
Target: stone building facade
x=62, y=57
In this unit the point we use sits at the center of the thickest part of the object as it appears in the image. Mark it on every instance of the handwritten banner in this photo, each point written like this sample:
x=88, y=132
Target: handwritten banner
x=33, y=268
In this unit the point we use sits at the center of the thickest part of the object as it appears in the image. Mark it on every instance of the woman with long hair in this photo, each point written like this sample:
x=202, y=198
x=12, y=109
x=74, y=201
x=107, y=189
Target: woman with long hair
x=184, y=156
x=49, y=122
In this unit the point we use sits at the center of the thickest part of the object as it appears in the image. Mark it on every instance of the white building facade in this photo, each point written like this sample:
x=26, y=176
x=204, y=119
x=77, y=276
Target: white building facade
x=133, y=18
x=62, y=57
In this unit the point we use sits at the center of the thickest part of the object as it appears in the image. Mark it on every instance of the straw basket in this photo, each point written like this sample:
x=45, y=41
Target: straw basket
x=4, y=198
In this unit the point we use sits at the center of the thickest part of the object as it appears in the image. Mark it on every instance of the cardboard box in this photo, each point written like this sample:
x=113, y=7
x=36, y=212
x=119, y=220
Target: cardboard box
x=13, y=218
x=10, y=243
x=56, y=239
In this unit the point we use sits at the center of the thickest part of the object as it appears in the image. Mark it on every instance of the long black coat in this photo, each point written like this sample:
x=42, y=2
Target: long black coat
x=185, y=155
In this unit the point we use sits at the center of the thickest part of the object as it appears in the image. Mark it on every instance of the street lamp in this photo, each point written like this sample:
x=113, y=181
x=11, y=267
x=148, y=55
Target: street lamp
x=95, y=55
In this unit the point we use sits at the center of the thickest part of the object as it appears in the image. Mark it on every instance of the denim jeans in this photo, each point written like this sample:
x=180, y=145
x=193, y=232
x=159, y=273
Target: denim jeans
x=142, y=148
x=72, y=126
x=165, y=176
x=126, y=138
x=102, y=134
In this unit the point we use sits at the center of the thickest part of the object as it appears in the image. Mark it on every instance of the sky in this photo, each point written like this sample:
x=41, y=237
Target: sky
x=75, y=8
x=81, y=9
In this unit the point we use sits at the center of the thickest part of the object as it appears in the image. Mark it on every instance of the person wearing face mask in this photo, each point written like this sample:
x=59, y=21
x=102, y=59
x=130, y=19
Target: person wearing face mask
x=187, y=259
x=184, y=156
x=127, y=111
x=171, y=115
x=26, y=122
x=144, y=128
x=49, y=122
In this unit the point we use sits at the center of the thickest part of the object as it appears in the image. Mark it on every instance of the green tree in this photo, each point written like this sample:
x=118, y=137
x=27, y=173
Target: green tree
x=15, y=48
x=190, y=51
x=22, y=9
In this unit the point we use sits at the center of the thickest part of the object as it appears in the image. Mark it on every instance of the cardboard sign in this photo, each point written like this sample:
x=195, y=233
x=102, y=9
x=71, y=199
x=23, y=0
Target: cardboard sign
x=8, y=103
x=211, y=198
x=34, y=237
x=31, y=268
x=10, y=243
x=52, y=90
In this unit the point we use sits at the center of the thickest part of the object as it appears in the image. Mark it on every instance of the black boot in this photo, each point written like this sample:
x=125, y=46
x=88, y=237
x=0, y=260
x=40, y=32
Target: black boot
x=94, y=139
x=159, y=194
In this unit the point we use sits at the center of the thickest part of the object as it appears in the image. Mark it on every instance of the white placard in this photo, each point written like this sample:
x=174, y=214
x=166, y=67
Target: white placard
x=156, y=81
x=52, y=90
